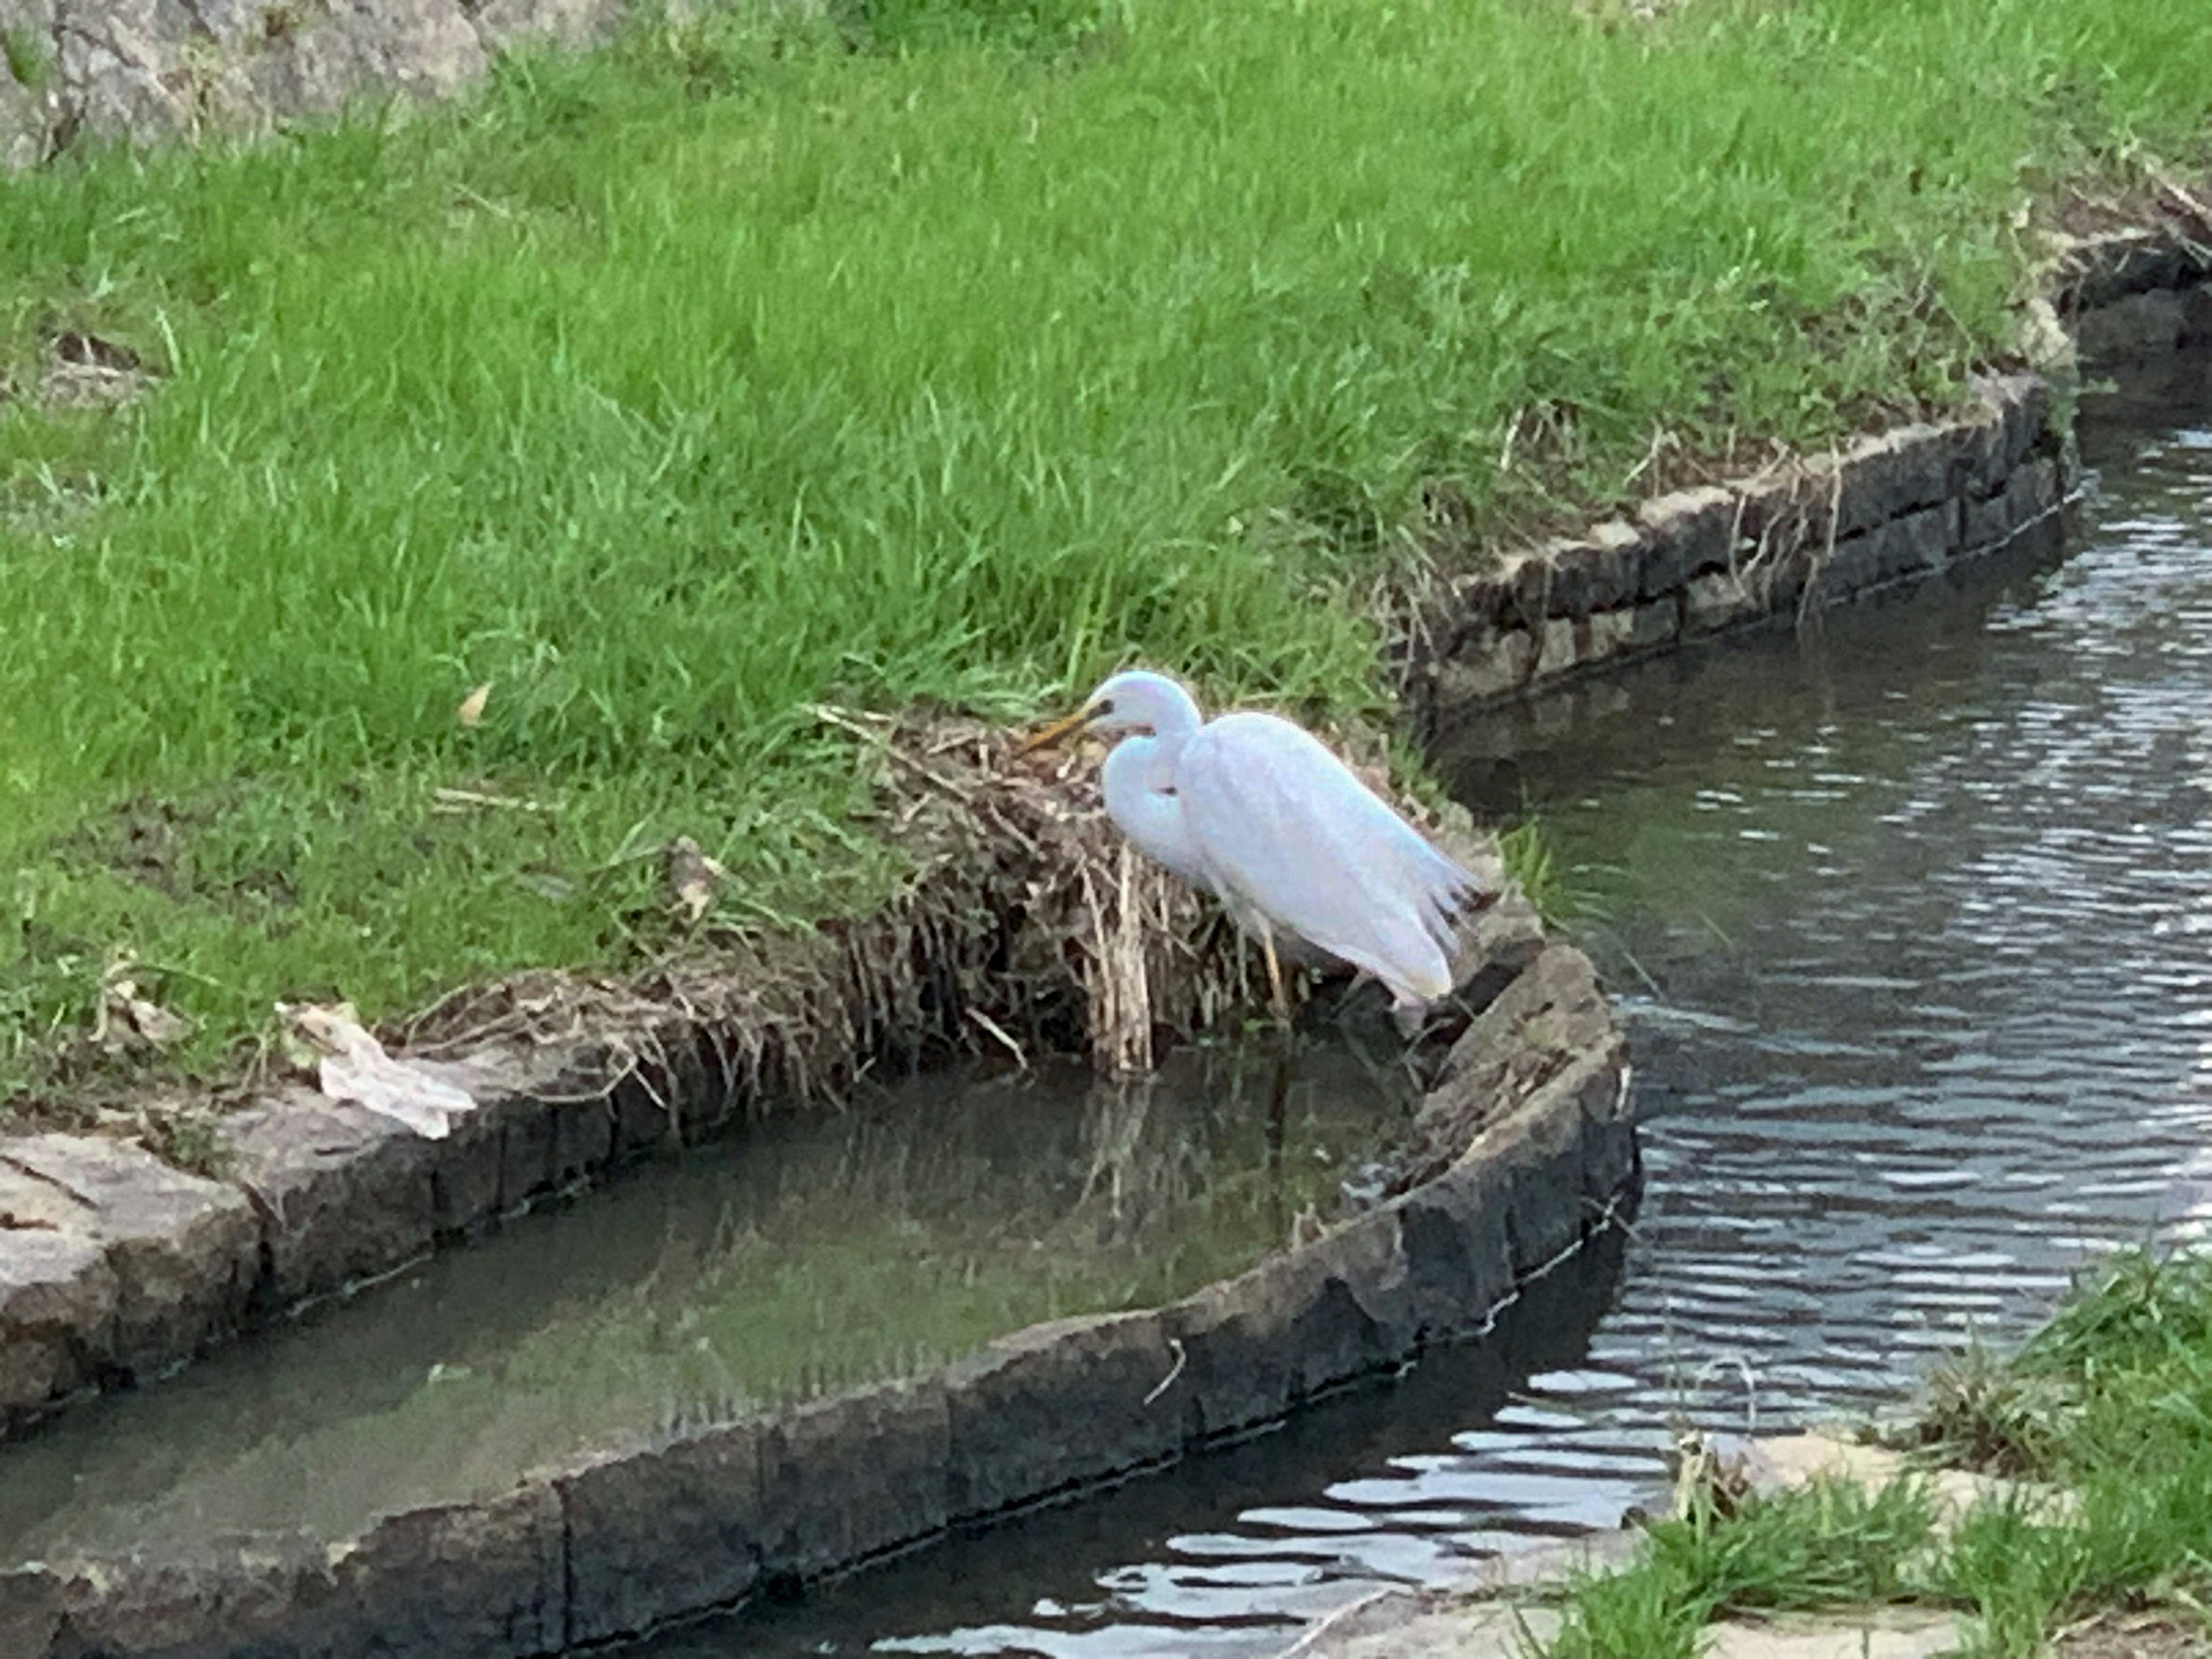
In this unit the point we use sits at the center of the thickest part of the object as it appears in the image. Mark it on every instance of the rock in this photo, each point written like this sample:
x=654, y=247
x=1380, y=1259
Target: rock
x=462, y=1581
x=28, y=74
x=1253, y=1346
x=206, y=1605
x=1549, y=1016
x=58, y=1298
x=1779, y=1462
x=2139, y=328
x=1491, y=664
x=1716, y=602
x=1597, y=572
x=1655, y=623
x=1883, y=479
x=347, y=1194
x=1872, y=1633
x=184, y=1250
x=502, y=24
x=655, y=1534
x=1911, y=545
x=2031, y=491
x=1059, y=1404
x=31, y=1608
x=1687, y=534
x=851, y=1476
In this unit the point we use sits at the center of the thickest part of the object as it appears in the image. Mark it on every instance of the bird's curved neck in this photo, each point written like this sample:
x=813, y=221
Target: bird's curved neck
x=1139, y=785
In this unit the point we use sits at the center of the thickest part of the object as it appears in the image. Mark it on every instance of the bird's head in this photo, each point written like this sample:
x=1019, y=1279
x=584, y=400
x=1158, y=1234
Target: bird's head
x=1134, y=699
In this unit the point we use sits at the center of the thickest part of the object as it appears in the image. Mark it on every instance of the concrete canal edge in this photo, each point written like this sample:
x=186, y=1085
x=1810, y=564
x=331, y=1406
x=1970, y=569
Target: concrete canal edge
x=626, y=1540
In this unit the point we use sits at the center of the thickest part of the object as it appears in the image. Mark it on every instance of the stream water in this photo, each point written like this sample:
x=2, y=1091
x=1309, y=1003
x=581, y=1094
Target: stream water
x=1911, y=919
x=1910, y=916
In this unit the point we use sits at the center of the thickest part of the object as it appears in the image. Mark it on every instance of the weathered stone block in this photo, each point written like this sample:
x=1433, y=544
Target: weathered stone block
x=1885, y=477
x=58, y=1303
x=1563, y=641
x=657, y=1533
x=31, y=1607
x=1918, y=542
x=1541, y=1150
x=1656, y=622
x=1526, y=578
x=1911, y=545
x=1685, y=534
x=2024, y=405
x=583, y=1133
x=1490, y=665
x=1458, y=1250
x=347, y=1194
x=1711, y=603
x=184, y=1250
x=461, y=1581
x=1595, y=573
x=228, y=1596
x=849, y=1477
x=2136, y=329
x=1605, y=634
x=2031, y=491
x=1058, y=1405
x=2196, y=318
x=1480, y=603
x=643, y=1121
x=1256, y=1345
x=2112, y=266
x=1494, y=947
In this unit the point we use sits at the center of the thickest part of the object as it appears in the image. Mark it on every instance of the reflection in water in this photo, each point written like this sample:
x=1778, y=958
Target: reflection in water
x=1912, y=921
x=801, y=1257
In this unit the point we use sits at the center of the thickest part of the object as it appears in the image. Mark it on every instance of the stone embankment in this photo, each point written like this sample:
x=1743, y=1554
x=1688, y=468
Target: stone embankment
x=1533, y=1097
x=1892, y=509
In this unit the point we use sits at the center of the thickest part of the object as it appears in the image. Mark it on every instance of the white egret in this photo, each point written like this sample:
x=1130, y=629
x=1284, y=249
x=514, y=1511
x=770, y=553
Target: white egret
x=1253, y=809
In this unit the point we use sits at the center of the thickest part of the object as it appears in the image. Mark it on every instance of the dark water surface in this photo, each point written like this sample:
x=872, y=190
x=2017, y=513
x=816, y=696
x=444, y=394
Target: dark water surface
x=801, y=1257
x=1912, y=921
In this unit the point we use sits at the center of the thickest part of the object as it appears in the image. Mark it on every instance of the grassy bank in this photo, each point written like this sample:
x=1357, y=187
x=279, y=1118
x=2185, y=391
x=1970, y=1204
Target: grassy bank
x=2111, y=1405
x=919, y=352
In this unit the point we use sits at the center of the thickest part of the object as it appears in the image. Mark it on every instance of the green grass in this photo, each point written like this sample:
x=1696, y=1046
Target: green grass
x=2110, y=1404
x=918, y=352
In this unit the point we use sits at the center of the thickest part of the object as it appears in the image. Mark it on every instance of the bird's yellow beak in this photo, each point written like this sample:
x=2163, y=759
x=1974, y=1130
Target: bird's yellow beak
x=1060, y=729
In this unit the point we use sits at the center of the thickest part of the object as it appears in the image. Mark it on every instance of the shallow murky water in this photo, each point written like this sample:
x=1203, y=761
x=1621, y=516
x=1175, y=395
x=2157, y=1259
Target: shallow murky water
x=801, y=1257
x=1912, y=921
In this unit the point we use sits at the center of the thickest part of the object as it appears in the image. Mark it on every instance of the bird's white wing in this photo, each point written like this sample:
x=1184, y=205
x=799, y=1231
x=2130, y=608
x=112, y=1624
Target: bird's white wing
x=1288, y=829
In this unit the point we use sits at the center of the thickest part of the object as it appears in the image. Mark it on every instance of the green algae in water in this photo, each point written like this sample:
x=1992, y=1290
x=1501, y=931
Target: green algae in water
x=800, y=1258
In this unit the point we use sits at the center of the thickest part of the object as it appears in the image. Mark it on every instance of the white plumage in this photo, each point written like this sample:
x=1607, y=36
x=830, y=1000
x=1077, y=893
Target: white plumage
x=1253, y=809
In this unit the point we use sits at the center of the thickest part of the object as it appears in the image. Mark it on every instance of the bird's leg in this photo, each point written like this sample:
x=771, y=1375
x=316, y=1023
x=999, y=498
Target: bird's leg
x=1275, y=978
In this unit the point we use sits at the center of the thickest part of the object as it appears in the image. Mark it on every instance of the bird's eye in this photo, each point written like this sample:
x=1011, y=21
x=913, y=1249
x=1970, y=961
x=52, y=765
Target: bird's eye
x=1104, y=709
